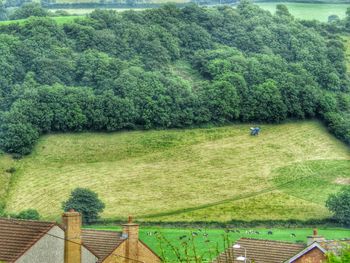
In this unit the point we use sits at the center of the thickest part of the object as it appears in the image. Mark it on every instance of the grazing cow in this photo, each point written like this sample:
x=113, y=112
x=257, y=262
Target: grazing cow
x=269, y=232
x=182, y=237
x=293, y=235
x=257, y=232
x=194, y=234
x=205, y=235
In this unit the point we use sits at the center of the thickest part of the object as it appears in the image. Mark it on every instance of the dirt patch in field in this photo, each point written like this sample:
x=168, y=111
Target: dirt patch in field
x=343, y=181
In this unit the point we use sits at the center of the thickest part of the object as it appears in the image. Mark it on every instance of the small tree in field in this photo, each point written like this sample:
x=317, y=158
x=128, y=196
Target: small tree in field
x=339, y=204
x=86, y=202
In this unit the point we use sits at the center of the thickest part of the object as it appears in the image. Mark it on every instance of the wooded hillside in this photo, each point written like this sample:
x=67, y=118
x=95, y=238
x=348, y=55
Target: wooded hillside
x=114, y=71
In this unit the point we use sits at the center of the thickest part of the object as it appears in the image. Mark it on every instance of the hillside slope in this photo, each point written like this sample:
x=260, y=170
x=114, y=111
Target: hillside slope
x=188, y=175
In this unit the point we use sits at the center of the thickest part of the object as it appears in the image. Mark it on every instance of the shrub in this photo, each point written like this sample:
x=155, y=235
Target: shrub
x=342, y=258
x=339, y=205
x=11, y=170
x=29, y=214
x=86, y=202
x=28, y=10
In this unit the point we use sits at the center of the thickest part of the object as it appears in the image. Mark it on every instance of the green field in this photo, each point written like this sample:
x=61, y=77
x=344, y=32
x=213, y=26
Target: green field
x=58, y=19
x=307, y=11
x=208, y=247
x=208, y=174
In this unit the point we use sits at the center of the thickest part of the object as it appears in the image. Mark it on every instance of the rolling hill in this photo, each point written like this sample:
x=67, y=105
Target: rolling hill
x=210, y=174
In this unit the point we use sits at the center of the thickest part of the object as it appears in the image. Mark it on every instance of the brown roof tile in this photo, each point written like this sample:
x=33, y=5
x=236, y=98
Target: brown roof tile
x=17, y=236
x=261, y=251
x=102, y=242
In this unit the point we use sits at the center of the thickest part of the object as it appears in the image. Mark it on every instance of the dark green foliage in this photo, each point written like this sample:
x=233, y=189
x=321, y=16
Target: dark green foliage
x=10, y=170
x=3, y=12
x=114, y=71
x=29, y=214
x=339, y=205
x=27, y=10
x=85, y=202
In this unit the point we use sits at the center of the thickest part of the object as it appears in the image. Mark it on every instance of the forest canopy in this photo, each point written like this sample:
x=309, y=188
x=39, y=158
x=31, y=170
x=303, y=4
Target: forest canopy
x=113, y=71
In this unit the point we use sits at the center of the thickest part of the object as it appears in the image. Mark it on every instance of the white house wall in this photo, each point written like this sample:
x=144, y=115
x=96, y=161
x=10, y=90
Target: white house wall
x=49, y=249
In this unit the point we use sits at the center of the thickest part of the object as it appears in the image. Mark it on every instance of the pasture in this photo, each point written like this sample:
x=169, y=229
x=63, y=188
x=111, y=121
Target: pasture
x=203, y=174
x=59, y=19
x=309, y=11
x=208, y=243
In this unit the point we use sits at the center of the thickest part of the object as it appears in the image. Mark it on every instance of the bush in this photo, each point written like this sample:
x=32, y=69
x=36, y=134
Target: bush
x=29, y=214
x=342, y=258
x=11, y=170
x=28, y=10
x=339, y=205
x=86, y=202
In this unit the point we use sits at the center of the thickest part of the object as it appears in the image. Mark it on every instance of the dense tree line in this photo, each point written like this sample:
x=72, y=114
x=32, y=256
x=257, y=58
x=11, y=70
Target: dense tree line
x=113, y=71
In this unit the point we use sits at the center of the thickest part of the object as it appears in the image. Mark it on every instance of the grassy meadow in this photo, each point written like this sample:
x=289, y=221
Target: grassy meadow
x=59, y=19
x=309, y=11
x=208, y=243
x=204, y=174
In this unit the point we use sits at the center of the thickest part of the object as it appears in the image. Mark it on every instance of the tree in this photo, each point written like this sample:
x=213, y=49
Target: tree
x=267, y=103
x=223, y=101
x=86, y=202
x=344, y=256
x=282, y=10
x=3, y=11
x=29, y=214
x=16, y=134
x=333, y=19
x=28, y=10
x=339, y=205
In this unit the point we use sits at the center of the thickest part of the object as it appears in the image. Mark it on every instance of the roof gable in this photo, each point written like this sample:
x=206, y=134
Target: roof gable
x=314, y=245
x=17, y=236
x=102, y=243
x=261, y=251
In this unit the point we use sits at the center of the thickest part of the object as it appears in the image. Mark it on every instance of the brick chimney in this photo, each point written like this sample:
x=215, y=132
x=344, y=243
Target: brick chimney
x=131, y=232
x=72, y=245
x=315, y=237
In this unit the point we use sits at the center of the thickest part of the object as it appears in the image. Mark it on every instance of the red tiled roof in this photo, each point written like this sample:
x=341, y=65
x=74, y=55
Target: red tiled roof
x=261, y=251
x=102, y=242
x=17, y=236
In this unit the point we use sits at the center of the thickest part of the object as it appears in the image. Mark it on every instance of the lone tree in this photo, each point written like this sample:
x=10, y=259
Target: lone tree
x=339, y=204
x=86, y=202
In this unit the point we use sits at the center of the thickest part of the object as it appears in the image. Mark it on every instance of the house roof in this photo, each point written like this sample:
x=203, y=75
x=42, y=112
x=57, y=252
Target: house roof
x=102, y=242
x=314, y=245
x=261, y=251
x=17, y=236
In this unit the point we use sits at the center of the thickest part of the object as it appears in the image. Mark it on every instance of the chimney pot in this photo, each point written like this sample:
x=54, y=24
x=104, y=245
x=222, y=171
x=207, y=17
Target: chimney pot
x=315, y=232
x=71, y=210
x=130, y=219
